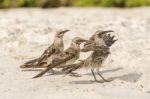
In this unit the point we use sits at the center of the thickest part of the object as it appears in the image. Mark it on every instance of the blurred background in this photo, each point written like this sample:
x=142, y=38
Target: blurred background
x=73, y=3
x=27, y=28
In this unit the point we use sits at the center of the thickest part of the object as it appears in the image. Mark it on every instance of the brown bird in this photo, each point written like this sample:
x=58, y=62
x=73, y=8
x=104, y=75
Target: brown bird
x=95, y=60
x=69, y=56
x=56, y=48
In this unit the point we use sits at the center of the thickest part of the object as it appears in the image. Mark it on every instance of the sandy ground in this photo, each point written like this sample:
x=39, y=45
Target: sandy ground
x=25, y=33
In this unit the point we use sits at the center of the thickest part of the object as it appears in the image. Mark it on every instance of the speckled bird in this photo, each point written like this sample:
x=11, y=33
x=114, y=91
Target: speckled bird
x=53, y=50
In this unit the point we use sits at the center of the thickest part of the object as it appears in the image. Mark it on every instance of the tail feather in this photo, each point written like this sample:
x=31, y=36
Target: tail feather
x=31, y=61
x=29, y=64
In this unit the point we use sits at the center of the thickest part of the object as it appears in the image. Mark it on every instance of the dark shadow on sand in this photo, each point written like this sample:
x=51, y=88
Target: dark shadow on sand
x=105, y=71
x=25, y=70
x=49, y=73
x=82, y=82
x=130, y=77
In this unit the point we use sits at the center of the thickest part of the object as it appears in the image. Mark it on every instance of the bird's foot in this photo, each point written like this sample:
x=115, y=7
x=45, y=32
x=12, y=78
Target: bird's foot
x=108, y=80
x=74, y=74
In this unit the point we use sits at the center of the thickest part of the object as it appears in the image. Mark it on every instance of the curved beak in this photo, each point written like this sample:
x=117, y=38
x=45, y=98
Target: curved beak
x=64, y=31
x=104, y=32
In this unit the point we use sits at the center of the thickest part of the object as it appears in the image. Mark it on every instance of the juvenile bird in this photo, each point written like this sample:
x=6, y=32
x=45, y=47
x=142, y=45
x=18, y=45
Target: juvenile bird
x=56, y=48
x=95, y=60
x=69, y=56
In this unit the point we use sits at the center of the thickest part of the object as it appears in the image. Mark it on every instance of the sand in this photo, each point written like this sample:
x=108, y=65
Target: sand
x=25, y=33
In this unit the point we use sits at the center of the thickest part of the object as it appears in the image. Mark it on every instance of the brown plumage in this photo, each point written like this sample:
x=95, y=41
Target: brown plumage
x=69, y=56
x=95, y=60
x=56, y=48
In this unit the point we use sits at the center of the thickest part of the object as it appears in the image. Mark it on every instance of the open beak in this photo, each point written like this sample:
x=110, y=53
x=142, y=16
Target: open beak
x=83, y=40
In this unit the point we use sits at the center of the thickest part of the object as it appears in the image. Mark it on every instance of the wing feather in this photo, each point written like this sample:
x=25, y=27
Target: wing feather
x=62, y=58
x=35, y=62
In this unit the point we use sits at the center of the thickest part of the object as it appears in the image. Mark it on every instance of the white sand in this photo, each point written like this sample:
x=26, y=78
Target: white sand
x=25, y=33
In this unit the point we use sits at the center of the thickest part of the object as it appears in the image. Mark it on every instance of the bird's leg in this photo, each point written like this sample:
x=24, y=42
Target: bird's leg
x=95, y=76
x=102, y=76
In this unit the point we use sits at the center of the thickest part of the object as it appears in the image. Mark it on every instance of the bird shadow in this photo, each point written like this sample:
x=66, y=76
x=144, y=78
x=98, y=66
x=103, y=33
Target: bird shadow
x=31, y=70
x=105, y=71
x=82, y=82
x=130, y=77
x=56, y=72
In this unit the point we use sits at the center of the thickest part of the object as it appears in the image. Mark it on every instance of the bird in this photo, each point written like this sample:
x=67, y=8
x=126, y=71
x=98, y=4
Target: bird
x=69, y=56
x=95, y=60
x=53, y=50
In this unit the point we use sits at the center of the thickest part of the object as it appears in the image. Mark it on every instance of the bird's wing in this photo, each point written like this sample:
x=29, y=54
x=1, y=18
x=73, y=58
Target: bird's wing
x=47, y=53
x=35, y=62
x=31, y=61
x=62, y=58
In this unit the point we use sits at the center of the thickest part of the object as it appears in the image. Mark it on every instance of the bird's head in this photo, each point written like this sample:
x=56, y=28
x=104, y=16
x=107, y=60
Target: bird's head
x=60, y=34
x=78, y=40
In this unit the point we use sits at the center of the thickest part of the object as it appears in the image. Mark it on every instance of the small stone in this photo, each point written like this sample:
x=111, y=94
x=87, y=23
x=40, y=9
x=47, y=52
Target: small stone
x=141, y=86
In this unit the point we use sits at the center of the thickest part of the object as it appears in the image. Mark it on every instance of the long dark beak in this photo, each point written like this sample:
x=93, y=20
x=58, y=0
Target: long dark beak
x=87, y=48
x=104, y=32
x=64, y=31
x=83, y=40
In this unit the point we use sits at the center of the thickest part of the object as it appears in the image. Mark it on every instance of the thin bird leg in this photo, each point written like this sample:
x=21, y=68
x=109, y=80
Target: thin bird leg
x=102, y=76
x=95, y=76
